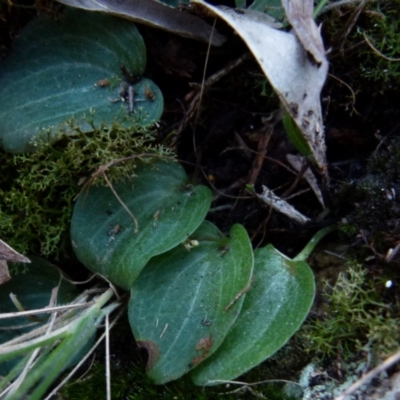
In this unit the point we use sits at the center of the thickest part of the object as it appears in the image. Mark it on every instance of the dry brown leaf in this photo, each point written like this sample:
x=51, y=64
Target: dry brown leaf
x=296, y=162
x=4, y=273
x=300, y=15
x=155, y=14
x=294, y=75
x=7, y=253
x=282, y=206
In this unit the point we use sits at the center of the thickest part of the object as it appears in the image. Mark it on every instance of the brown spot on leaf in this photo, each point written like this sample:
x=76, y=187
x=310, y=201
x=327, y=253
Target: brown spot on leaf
x=152, y=351
x=197, y=360
x=103, y=82
x=148, y=93
x=204, y=344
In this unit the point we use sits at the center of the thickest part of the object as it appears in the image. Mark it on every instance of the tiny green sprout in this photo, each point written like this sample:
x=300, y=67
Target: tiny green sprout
x=250, y=188
x=295, y=135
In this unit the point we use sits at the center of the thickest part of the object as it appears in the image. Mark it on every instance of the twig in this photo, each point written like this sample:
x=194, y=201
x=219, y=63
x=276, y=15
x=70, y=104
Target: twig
x=105, y=167
x=341, y=3
x=196, y=101
x=222, y=381
x=352, y=21
x=205, y=69
x=108, y=373
x=84, y=374
x=261, y=152
x=122, y=203
x=262, y=226
x=353, y=96
x=393, y=359
x=375, y=50
x=44, y=310
x=238, y=296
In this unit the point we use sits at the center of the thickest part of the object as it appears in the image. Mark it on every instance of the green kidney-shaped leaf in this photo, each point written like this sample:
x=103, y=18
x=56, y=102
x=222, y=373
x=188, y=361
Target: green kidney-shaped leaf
x=33, y=290
x=184, y=302
x=67, y=72
x=167, y=208
x=277, y=303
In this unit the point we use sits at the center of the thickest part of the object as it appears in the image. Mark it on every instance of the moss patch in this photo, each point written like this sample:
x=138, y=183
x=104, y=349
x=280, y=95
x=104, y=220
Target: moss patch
x=37, y=190
x=359, y=313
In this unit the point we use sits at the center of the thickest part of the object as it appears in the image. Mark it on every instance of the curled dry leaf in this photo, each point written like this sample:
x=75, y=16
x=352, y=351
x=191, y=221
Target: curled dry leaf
x=282, y=206
x=4, y=273
x=155, y=14
x=7, y=253
x=296, y=162
x=296, y=73
x=300, y=15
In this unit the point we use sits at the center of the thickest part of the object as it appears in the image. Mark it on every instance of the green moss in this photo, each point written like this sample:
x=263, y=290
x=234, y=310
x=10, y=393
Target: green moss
x=37, y=190
x=356, y=315
x=348, y=35
x=383, y=31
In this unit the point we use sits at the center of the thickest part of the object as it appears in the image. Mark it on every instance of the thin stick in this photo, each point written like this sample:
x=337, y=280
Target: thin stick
x=196, y=101
x=112, y=287
x=108, y=373
x=238, y=296
x=45, y=310
x=301, y=192
x=121, y=202
x=82, y=282
x=393, y=359
x=341, y=3
x=205, y=68
x=219, y=74
x=352, y=21
x=198, y=98
x=220, y=381
x=375, y=50
x=111, y=163
x=261, y=152
x=81, y=378
x=353, y=96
